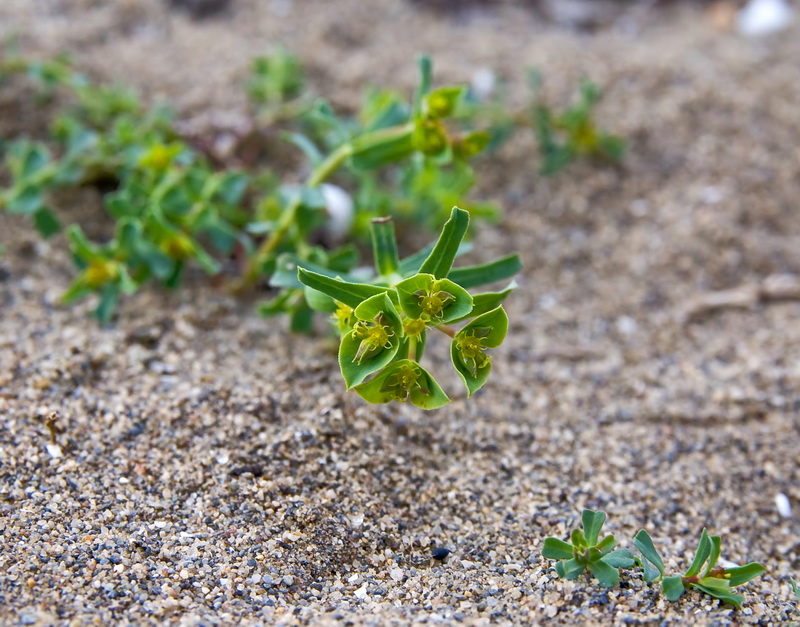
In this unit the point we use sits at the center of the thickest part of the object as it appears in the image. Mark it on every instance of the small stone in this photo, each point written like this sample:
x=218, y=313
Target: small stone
x=440, y=553
x=783, y=505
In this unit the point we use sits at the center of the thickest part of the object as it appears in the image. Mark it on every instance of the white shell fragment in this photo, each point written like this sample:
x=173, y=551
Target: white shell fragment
x=339, y=206
x=783, y=505
x=762, y=17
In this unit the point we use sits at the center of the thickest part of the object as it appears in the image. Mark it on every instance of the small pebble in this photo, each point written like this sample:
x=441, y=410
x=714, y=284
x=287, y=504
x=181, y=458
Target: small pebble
x=440, y=553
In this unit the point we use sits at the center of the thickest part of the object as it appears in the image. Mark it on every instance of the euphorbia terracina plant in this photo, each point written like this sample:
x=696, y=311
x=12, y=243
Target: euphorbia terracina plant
x=383, y=324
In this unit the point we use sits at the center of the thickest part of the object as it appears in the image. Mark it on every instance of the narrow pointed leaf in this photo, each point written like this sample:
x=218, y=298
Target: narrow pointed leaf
x=606, y=544
x=384, y=247
x=351, y=294
x=484, y=302
x=607, y=575
x=555, y=549
x=703, y=549
x=473, y=276
x=592, y=524
x=713, y=554
x=444, y=251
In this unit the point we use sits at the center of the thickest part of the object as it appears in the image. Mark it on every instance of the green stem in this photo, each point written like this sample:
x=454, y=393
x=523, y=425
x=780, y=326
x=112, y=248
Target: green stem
x=412, y=348
x=287, y=219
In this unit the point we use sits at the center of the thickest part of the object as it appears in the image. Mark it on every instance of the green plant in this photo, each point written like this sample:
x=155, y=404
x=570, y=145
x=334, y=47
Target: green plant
x=383, y=323
x=586, y=551
x=795, y=589
x=703, y=573
x=572, y=133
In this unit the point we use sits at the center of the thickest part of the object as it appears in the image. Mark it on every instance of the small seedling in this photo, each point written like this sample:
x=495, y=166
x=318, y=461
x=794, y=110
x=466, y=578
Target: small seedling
x=383, y=323
x=703, y=573
x=795, y=589
x=573, y=133
x=585, y=552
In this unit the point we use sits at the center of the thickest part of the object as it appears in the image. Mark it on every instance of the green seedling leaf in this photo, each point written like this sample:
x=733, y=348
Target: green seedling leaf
x=109, y=298
x=473, y=276
x=308, y=147
x=652, y=565
x=592, y=524
x=621, y=558
x=384, y=247
x=673, y=587
x=555, y=549
x=719, y=589
x=404, y=381
x=570, y=569
x=351, y=294
x=606, y=544
x=703, y=551
x=713, y=555
x=381, y=147
x=444, y=252
x=438, y=300
x=425, y=82
x=742, y=574
x=607, y=575
x=26, y=202
x=46, y=222
x=795, y=589
x=468, y=348
x=374, y=340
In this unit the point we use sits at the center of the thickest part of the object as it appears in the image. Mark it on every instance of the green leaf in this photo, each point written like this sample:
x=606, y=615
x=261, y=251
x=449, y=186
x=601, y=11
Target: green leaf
x=700, y=557
x=308, y=147
x=381, y=147
x=673, y=587
x=607, y=575
x=109, y=297
x=592, y=524
x=404, y=380
x=444, y=251
x=81, y=246
x=795, y=589
x=425, y=82
x=484, y=302
x=555, y=549
x=621, y=558
x=351, y=294
x=440, y=300
x=319, y=301
x=373, y=342
x=644, y=543
x=713, y=555
x=27, y=202
x=384, y=247
x=497, y=270
x=719, y=589
x=46, y=222
x=569, y=569
x=606, y=544
x=742, y=574
x=467, y=350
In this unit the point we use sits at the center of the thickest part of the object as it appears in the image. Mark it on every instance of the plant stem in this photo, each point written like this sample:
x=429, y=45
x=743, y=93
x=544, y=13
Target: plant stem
x=287, y=219
x=446, y=330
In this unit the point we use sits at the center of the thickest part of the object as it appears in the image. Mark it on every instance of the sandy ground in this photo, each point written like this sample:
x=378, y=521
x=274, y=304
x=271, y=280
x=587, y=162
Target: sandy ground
x=213, y=471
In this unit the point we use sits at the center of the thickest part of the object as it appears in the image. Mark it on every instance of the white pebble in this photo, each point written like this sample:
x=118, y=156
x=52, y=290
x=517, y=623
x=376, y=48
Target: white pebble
x=361, y=593
x=783, y=505
x=54, y=450
x=339, y=205
x=763, y=17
